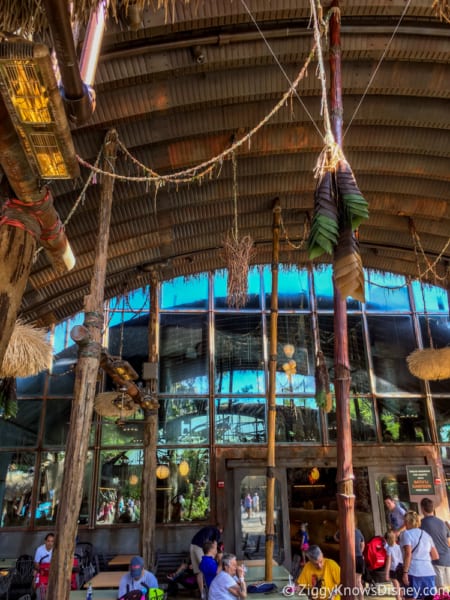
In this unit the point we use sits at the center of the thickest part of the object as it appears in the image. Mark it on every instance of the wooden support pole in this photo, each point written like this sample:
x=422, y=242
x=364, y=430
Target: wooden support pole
x=148, y=492
x=271, y=404
x=84, y=394
x=345, y=494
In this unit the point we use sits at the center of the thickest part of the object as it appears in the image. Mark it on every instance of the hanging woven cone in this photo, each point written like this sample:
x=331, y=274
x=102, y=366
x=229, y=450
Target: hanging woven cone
x=111, y=404
x=28, y=352
x=431, y=364
x=348, y=269
x=238, y=253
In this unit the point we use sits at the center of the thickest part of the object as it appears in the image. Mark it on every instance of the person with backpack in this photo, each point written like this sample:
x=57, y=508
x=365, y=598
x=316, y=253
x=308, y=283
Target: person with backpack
x=440, y=533
x=396, y=515
x=137, y=578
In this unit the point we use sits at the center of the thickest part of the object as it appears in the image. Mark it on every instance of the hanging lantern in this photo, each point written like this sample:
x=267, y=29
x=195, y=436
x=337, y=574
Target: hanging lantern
x=183, y=468
x=313, y=475
x=289, y=350
x=162, y=471
x=133, y=479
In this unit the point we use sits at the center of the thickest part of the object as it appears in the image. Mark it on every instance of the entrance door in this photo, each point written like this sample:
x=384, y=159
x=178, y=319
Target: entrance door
x=250, y=510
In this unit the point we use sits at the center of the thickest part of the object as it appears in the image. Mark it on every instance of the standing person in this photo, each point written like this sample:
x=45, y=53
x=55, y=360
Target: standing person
x=418, y=551
x=205, y=534
x=248, y=505
x=255, y=503
x=396, y=516
x=138, y=578
x=320, y=575
x=229, y=583
x=360, y=544
x=394, y=563
x=440, y=534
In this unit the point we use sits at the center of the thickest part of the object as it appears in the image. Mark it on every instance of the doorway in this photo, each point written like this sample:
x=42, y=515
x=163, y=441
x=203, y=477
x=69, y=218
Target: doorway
x=250, y=515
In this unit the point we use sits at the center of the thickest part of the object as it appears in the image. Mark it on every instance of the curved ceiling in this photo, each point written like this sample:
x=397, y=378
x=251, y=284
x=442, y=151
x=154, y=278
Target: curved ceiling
x=173, y=111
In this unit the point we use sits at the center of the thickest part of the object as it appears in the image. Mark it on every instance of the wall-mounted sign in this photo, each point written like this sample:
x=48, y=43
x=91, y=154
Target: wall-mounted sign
x=420, y=480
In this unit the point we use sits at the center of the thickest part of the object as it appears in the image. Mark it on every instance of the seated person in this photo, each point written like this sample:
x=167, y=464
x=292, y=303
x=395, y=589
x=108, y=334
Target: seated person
x=208, y=565
x=319, y=574
x=137, y=579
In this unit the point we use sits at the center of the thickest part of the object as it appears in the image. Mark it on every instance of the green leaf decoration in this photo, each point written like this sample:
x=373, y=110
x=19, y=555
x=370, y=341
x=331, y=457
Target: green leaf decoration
x=325, y=228
x=356, y=208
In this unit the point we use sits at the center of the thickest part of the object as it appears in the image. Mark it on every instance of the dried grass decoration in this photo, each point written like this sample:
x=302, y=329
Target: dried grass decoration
x=431, y=364
x=238, y=254
x=28, y=352
x=441, y=9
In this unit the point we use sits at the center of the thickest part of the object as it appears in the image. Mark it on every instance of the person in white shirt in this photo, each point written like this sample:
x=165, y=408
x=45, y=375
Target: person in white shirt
x=229, y=583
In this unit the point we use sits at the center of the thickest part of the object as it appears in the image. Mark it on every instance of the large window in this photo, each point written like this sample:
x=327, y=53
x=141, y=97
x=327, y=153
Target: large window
x=213, y=387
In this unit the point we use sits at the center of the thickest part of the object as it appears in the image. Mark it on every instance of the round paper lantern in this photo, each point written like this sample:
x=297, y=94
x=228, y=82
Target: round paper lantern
x=162, y=471
x=133, y=479
x=183, y=468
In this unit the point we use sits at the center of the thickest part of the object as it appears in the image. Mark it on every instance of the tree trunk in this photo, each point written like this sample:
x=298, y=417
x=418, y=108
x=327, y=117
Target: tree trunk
x=83, y=401
x=148, y=493
x=345, y=495
x=271, y=420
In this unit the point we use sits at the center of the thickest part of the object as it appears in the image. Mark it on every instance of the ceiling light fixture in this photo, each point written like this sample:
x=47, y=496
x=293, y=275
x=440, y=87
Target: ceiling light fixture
x=30, y=92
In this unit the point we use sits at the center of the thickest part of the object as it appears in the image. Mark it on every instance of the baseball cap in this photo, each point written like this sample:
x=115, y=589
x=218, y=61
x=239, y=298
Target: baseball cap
x=136, y=567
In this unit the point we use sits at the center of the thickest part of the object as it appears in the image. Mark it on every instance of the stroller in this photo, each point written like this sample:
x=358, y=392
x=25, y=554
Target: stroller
x=184, y=577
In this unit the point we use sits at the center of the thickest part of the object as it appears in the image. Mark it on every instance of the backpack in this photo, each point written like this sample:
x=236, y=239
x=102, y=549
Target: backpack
x=375, y=553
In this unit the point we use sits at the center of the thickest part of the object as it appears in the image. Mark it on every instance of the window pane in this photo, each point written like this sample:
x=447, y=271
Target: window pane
x=31, y=386
x=359, y=372
x=123, y=432
x=442, y=414
x=51, y=478
x=186, y=293
x=297, y=420
x=119, y=492
x=403, y=420
x=386, y=291
x=391, y=340
x=295, y=366
x=182, y=492
x=253, y=289
x=240, y=421
x=62, y=377
x=436, y=298
x=184, y=354
x=132, y=344
x=57, y=421
x=362, y=421
x=293, y=288
x=17, y=472
x=183, y=421
x=21, y=430
x=239, y=364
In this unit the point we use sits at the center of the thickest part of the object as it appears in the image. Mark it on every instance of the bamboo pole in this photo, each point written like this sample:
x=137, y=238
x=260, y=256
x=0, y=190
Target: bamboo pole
x=345, y=494
x=84, y=393
x=148, y=492
x=271, y=404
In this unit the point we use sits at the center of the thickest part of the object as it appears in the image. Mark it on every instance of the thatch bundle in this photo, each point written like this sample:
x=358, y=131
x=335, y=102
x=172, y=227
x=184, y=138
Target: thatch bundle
x=431, y=364
x=238, y=254
x=441, y=9
x=28, y=352
x=29, y=17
